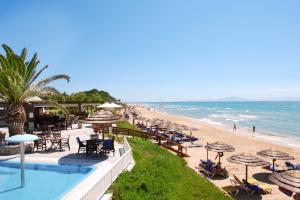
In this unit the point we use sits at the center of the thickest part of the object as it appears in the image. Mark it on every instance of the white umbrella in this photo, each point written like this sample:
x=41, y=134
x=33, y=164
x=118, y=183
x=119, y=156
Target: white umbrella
x=109, y=105
x=21, y=139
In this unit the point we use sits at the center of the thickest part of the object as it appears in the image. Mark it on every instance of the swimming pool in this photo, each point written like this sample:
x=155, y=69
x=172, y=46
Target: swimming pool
x=43, y=181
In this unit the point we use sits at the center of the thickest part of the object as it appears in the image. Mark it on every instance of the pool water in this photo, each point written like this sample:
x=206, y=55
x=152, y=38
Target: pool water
x=42, y=181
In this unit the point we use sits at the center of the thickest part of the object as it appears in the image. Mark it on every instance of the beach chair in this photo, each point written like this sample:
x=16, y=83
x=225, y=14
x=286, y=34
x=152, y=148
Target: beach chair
x=81, y=145
x=292, y=166
x=2, y=138
x=264, y=187
x=40, y=144
x=210, y=169
x=108, y=145
x=232, y=190
x=237, y=182
x=277, y=168
x=65, y=142
x=251, y=186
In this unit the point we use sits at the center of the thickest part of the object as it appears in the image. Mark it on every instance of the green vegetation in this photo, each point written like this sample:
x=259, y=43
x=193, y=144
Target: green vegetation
x=124, y=124
x=93, y=95
x=20, y=80
x=159, y=174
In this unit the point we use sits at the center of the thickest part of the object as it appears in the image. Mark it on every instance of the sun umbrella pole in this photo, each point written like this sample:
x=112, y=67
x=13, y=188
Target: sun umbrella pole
x=207, y=153
x=246, y=172
x=22, y=164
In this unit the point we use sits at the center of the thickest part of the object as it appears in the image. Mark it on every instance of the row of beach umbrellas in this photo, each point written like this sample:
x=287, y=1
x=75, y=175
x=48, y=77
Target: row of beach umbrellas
x=289, y=180
x=164, y=124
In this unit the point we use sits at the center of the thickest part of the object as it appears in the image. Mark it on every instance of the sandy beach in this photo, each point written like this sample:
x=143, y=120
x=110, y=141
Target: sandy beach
x=241, y=141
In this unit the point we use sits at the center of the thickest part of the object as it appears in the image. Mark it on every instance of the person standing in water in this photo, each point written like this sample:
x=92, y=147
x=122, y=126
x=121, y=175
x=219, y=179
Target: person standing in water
x=254, y=129
x=234, y=127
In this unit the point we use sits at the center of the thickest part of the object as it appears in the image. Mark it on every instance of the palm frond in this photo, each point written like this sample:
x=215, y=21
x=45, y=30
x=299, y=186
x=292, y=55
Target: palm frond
x=35, y=76
x=48, y=80
x=18, y=77
x=57, y=105
x=7, y=50
x=23, y=54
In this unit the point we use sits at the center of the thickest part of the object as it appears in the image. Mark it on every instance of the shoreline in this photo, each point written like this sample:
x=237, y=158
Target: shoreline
x=242, y=142
x=272, y=137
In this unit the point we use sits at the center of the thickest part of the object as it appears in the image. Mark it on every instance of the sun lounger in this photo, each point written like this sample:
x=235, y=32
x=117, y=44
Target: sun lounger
x=231, y=190
x=277, y=168
x=292, y=166
x=251, y=186
x=265, y=187
x=210, y=169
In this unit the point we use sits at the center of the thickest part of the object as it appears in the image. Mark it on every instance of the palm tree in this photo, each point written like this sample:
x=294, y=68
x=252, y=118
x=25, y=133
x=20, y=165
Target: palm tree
x=18, y=82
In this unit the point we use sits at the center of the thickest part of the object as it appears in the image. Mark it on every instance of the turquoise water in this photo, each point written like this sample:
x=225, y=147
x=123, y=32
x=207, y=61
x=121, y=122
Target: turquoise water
x=43, y=182
x=277, y=118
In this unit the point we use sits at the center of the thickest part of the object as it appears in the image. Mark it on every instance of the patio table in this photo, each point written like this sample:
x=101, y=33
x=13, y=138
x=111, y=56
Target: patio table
x=98, y=142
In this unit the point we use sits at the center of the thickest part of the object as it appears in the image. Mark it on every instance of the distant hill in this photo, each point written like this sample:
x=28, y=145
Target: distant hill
x=93, y=95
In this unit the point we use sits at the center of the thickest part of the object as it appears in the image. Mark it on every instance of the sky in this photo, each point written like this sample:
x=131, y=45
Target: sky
x=162, y=50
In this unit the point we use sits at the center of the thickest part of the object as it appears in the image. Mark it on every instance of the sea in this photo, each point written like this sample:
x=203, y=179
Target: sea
x=274, y=120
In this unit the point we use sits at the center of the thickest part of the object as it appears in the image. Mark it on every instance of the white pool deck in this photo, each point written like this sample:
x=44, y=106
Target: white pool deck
x=102, y=163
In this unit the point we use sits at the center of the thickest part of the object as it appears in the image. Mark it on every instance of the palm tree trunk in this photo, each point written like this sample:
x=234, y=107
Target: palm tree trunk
x=15, y=119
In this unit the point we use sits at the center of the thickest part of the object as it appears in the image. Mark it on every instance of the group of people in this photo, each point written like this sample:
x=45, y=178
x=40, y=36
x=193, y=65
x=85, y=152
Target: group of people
x=235, y=128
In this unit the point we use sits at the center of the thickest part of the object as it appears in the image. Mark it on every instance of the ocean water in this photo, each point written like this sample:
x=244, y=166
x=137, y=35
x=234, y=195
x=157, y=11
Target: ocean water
x=270, y=118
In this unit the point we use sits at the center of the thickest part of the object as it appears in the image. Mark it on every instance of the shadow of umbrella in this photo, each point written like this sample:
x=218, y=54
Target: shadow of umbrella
x=263, y=177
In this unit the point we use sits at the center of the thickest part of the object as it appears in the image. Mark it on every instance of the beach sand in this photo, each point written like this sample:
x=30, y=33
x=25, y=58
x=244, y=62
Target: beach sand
x=240, y=140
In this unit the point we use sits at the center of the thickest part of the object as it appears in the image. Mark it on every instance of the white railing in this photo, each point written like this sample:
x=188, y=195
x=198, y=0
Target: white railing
x=101, y=186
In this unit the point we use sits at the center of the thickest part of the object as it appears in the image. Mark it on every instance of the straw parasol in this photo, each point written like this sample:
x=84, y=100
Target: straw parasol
x=275, y=155
x=289, y=180
x=219, y=147
x=103, y=119
x=247, y=159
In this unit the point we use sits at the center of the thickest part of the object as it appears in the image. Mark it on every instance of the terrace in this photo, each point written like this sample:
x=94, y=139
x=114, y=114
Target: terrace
x=107, y=167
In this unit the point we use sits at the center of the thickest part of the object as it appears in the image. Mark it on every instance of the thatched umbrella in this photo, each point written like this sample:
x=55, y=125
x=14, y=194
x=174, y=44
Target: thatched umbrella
x=289, y=180
x=275, y=155
x=103, y=119
x=220, y=148
x=247, y=159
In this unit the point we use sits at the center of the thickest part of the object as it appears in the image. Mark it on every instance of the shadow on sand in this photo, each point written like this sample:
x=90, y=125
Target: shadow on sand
x=244, y=196
x=263, y=177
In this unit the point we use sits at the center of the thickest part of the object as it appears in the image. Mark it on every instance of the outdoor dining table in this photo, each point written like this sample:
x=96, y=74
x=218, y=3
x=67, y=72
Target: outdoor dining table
x=98, y=142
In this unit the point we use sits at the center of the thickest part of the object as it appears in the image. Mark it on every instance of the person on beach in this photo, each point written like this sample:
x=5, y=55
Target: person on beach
x=254, y=129
x=234, y=127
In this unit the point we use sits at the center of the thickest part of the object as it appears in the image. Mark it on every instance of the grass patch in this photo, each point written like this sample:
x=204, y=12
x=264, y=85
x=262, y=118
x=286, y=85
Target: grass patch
x=159, y=174
x=124, y=124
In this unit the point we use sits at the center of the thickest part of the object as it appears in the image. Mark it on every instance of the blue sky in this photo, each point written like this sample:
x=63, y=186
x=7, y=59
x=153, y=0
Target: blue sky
x=156, y=50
